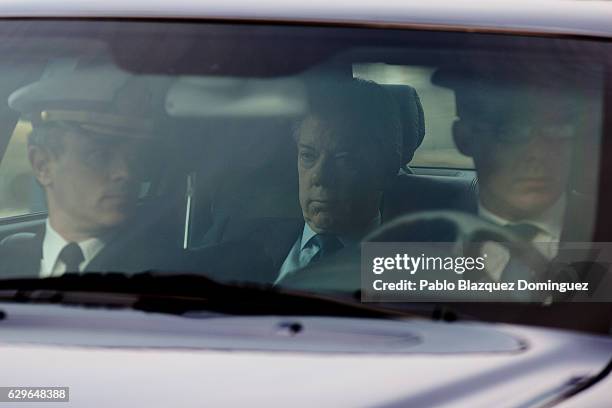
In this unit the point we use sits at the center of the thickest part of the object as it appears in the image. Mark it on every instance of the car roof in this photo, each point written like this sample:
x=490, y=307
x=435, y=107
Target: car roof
x=576, y=18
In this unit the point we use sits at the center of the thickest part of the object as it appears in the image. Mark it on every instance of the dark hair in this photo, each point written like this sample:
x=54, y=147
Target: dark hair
x=512, y=89
x=361, y=108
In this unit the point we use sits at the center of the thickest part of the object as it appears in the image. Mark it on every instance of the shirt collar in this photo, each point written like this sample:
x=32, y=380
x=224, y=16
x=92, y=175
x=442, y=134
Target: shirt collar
x=346, y=240
x=550, y=221
x=307, y=234
x=52, y=246
x=53, y=243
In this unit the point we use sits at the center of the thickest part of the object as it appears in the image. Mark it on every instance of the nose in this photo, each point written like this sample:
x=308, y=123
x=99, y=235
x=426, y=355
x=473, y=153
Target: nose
x=323, y=172
x=121, y=166
x=542, y=147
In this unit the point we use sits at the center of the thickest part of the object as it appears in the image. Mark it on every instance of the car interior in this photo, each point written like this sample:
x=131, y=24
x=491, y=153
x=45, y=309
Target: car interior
x=228, y=156
x=260, y=180
x=268, y=188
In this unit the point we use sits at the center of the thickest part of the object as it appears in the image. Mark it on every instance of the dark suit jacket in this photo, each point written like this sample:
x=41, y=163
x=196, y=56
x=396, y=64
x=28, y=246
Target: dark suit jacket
x=134, y=251
x=21, y=253
x=270, y=238
x=576, y=226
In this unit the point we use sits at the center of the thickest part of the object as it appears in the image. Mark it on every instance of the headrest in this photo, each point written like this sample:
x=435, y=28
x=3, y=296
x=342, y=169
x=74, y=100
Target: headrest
x=412, y=117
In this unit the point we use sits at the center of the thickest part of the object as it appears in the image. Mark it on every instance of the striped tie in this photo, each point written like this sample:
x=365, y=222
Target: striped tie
x=327, y=244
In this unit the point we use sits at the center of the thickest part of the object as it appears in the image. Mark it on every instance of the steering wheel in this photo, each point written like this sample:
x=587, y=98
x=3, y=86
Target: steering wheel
x=467, y=231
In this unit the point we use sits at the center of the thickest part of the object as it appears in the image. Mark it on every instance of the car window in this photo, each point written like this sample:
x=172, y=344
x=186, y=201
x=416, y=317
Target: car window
x=438, y=149
x=20, y=193
x=221, y=150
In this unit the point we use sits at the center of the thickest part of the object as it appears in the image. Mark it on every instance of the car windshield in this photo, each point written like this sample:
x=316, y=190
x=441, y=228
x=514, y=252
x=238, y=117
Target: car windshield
x=296, y=157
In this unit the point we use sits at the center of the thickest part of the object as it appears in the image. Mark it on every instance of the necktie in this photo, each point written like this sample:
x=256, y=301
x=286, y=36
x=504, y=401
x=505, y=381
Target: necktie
x=327, y=244
x=72, y=256
x=524, y=230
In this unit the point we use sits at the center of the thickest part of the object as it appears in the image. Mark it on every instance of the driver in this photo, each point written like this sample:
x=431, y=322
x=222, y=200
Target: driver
x=519, y=128
x=90, y=130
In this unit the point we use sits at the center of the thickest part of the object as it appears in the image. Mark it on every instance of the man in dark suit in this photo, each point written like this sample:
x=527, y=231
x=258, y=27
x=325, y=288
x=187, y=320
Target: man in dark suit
x=522, y=127
x=91, y=128
x=349, y=150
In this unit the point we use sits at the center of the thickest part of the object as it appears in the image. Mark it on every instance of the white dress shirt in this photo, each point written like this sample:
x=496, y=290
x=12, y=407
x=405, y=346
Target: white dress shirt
x=301, y=253
x=550, y=223
x=53, y=243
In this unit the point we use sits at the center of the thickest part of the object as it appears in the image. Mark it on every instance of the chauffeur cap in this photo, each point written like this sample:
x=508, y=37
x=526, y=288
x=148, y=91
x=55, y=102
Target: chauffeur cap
x=101, y=99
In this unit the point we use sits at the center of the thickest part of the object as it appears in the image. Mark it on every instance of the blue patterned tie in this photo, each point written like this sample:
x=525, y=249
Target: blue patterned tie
x=327, y=244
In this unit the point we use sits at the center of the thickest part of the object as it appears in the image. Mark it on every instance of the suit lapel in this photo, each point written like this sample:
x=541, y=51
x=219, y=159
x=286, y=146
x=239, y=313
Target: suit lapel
x=277, y=237
x=118, y=254
x=578, y=228
x=98, y=262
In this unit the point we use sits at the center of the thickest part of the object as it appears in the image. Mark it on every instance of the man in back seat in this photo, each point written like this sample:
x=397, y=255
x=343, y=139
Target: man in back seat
x=349, y=149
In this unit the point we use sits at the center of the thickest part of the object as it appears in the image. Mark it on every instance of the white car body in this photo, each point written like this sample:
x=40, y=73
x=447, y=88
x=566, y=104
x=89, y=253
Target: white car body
x=126, y=358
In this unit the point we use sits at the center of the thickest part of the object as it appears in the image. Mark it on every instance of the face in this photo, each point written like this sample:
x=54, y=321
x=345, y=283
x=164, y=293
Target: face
x=91, y=185
x=522, y=171
x=339, y=182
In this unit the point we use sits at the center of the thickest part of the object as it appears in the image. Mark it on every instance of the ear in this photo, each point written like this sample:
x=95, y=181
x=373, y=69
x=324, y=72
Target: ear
x=463, y=138
x=40, y=160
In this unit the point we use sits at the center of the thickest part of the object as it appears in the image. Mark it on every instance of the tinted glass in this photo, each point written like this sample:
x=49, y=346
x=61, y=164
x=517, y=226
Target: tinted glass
x=248, y=153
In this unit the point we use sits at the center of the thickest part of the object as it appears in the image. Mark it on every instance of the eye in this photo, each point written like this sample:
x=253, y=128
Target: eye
x=514, y=134
x=347, y=161
x=98, y=157
x=307, y=157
